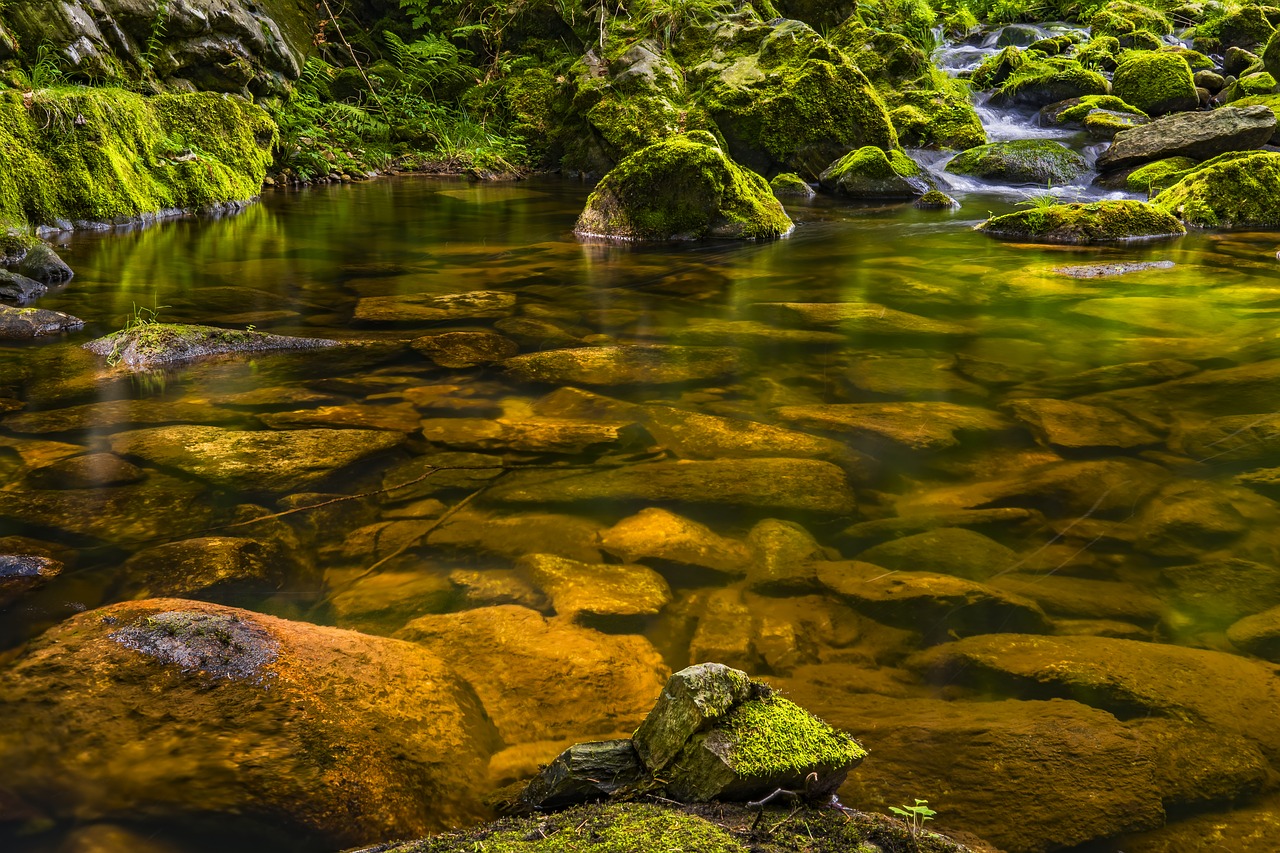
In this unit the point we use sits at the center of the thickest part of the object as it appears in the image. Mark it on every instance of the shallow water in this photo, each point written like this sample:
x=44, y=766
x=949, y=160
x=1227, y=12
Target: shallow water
x=1002, y=326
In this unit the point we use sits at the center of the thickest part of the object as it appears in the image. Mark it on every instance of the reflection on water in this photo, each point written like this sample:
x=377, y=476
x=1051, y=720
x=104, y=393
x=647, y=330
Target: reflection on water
x=898, y=468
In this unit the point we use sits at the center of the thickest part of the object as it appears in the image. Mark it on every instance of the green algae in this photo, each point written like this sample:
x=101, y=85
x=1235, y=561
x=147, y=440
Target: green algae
x=1235, y=190
x=112, y=155
x=685, y=188
x=790, y=184
x=1085, y=224
x=1155, y=82
x=774, y=736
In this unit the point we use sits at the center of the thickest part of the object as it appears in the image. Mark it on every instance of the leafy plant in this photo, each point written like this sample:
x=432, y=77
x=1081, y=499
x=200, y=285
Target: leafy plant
x=43, y=74
x=141, y=318
x=156, y=37
x=1039, y=201
x=916, y=815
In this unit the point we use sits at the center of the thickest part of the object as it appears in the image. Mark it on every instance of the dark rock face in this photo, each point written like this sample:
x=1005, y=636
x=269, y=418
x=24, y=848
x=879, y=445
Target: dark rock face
x=19, y=288
x=218, y=45
x=44, y=265
x=18, y=324
x=23, y=573
x=583, y=773
x=1198, y=135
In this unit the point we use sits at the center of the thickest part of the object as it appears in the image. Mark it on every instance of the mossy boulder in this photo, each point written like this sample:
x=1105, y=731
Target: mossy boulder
x=785, y=99
x=153, y=344
x=1155, y=82
x=1074, y=111
x=1096, y=222
x=997, y=68
x=1122, y=18
x=1235, y=190
x=1023, y=161
x=936, y=200
x=1100, y=54
x=1271, y=55
x=685, y=188
x=44, y=265
x=790, y=185
x=1158, y=175
x=1105, y=124
x=240, y=715
x=17, y=324
x=871, y=173
x=1038, y=84
x=1247, y=26
x=107, y=155
x=1250, y=85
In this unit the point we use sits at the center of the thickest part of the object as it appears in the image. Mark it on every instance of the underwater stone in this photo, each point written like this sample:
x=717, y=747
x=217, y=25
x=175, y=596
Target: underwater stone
x=946, y=550
x=865, y=317
x=21, y=574
x=693, y=698
x=915, y=426
x=1109, y=270
x=782, y=552
x=1258, y=634
x=433, y=308
x=535, y=435
x=18, y=324
x=1062, y=423
x=584, y=773
x=457, y=350
x=155, y=344
x=593, y=592
x=1198, y=135
x=88, y=471
x=627, y=365
x=684, y=188
x=656, y=533
x=201, y=567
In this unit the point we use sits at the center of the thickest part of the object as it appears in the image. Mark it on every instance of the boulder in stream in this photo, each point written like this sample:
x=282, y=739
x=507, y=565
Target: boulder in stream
x=148, y=345
x=1085, y=224
x=43, y=264
x=684, y=188
x=1023, y=161
x=1155, y=82
x=19, y=288
x=18, y=324
x=873, y=173
x=1237, y=190
x=1198, y=135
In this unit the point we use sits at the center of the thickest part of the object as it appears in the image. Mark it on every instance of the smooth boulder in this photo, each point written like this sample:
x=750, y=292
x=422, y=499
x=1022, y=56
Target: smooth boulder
x=1198, y=135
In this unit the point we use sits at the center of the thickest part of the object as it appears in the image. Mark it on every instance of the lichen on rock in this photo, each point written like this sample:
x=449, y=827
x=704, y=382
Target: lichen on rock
x=684, y=188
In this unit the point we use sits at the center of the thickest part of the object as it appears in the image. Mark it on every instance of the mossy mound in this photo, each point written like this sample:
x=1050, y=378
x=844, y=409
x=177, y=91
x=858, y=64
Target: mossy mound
x=1076, y=110
x=108, y=155
x=685, y=188
x=153, y=344
x=1247, y=26
x=1236, y=190
x=1038, y=84
x=719, y=828
x=1023, y=161
x=1250, y=85
x=936, y=200
x=1100, y=54
x=1083, y=224
x=1159, y=174
x=871, y=173
x=1105, y=124
x=790, y=185
x=1121, y=18
x=997, y=68
x=1155, y=82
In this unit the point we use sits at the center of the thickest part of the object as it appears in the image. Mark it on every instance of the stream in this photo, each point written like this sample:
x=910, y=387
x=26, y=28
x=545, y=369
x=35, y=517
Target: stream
x=1165, y=464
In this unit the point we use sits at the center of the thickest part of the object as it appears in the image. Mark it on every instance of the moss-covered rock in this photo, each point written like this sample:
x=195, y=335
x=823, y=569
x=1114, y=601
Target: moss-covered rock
x=1155, y=82
x=786, y=99
x=870, y=173
x=1023, y=161
x=935, y=200
x=1157, y=175
x=1271, y=55
x=1100, y=54
x=1199, y=135
x=1122, y=18
x=1105, y=124
x=115, y=156
x=1235, y=190
x=1250, y=85
x=1038, y=84
x=998, y=67
x=153, y=344
x=790, y=185
x=685, y=188
x=1247, y=26
x=1076, y=110
x=1097, y=222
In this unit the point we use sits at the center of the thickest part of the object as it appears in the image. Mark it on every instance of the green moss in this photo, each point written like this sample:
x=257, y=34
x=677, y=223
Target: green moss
x=1248, y=26
x=1250, y=85
x=1029, y=161
x=935, y=200
x=107, y=154
x=1041, y=83
x=1080, y=108
x=790, y=184
x=1155, y=82
x=1240, y=189
x=774, y=736
x=683, y=188
x=1195, y=59
x=1097, y=222
x=1100, y=53
x=1103, y=124
x=1152, y=175
x=1120, y=18
x=873, y=162
x=1055, y=45
x=997, y=68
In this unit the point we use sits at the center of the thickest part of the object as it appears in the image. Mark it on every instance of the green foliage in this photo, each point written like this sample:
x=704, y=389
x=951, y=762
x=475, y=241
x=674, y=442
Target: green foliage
x=1039, y=201
x=141, y=318
x=665, y=18
x=916, y=815
x=914, y=19
x=156, y=36
x=44, y=73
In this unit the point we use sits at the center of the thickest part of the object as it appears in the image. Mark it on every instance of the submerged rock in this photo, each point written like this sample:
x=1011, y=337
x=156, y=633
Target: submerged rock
x=432, y=308
x=594, y=592
x=21, y=574
x=204, y=567
x=1096, y=222
x=914, y=426
x=457, y=350
x=658, y=534
x=154, y=344
x=872, y=173
x=1198, y=135
x=17, y=324
x=241, y=714
x=653, y=364
x=268, y=461
x=684, y=188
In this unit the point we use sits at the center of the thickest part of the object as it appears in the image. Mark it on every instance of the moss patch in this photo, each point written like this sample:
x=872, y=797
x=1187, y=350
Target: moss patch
x=685, y=188
x=1240, y=189
x=1038, y=84
x=1159, y=174
x=113, y=155
x=1155, y=82
x=1098, y=222
x=774, y=736
x=1121, y=18
x=1078, y=109
x=1029, y=161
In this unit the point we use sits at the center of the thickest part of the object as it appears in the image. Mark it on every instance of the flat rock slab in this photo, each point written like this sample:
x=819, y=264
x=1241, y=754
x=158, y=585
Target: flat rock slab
x=457, y=350
x=946, y=550
x=1111, y=270
x=155, y=344
x=161, y=507
x=801, y=485
x=865, y=317
x=115, y=414
x=420, y=308
x=535, y=435
x=17, y=324
x=1198, y=135
x=915, y=426
x=1060, y=423
x=656, y=533
x=596, y=590
x=397, y=418
x=265, y=461
x=697, y=435
x=628, y=365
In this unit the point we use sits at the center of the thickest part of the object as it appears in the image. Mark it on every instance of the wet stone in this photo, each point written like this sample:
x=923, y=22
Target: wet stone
x=1060, y=423
x=583, y=773
x=537, y=334
x=1258, y=635
x=513, y=535
x=692, y=698
x=697, y=435
x=270, y=461
x=750, y=333
x=946, y=550
x=435, y=473
x=424, y=308
x=866, y=317
x=161, y=507
x=1060, y=595
x=1108, y=378
x=627, y=365
x=19, y=288
x=494, y=587
x=92, y=470
x=21, y=574
x=457, y=350
x=541, y=435
x=914, y=426
x=43, y=264
x=17, y=324
x=1197, y=765
x=386, y=600
x=880, y=529
x=117, y=414
x=218, y=645
x=913, y=379
x=207, y=566
x=1216, y=593
x=658, y=534
x=1111, y=270
x=596, y=592
x=782, y=557
x=155, y=344
x=396, y=418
